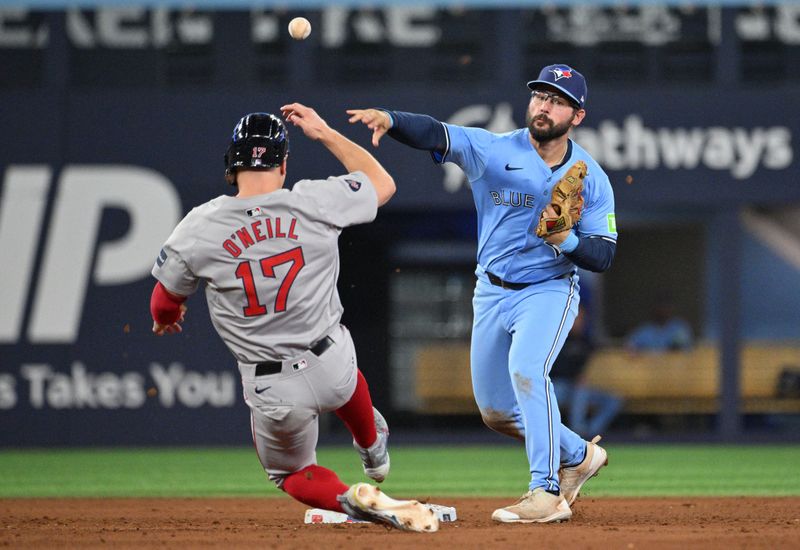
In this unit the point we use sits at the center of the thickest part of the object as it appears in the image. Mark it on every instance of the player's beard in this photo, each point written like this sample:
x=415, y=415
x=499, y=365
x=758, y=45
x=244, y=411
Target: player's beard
x=552, y=131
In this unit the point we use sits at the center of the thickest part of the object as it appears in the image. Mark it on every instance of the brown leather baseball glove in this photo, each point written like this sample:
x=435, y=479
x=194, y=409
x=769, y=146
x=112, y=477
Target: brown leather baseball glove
x=566, y=200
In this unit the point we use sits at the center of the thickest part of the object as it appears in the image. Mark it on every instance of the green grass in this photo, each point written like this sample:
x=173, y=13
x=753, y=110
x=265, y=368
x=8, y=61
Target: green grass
x=634, y=470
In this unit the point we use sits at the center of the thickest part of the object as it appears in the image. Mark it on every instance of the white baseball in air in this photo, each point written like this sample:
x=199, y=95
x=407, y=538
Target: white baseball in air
x=299, y=28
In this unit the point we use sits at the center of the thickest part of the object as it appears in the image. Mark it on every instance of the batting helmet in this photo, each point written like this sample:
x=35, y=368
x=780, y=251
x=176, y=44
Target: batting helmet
x=259, y=142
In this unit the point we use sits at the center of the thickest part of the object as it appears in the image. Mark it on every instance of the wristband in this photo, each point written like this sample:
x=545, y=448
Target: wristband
x=391, y=118
x=570, y=243
x=165, y=307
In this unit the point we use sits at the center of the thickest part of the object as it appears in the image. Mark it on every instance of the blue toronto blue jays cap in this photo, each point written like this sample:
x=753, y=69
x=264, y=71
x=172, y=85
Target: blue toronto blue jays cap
x=563, y=78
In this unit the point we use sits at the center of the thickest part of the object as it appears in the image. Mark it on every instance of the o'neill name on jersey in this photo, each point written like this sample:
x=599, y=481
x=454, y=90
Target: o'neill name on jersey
x=255, y=232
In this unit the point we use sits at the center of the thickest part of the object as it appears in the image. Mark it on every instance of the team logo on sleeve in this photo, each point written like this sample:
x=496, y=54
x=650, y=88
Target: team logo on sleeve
x=162, y=257
x=612, y=223
x=355, y=185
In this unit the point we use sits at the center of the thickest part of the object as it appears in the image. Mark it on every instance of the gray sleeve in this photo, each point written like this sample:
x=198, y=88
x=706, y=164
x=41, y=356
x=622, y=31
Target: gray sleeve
x=173, y=265
x=342, y=200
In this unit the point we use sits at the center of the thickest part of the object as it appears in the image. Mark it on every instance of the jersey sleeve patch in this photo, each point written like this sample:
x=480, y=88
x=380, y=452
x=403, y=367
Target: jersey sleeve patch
x=162, y=257
x=612, y=223
x=354, y=185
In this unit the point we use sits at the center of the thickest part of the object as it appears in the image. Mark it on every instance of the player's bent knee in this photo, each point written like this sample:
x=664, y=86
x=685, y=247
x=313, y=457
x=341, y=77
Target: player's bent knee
x=313, y=472
x=278, y=479
x=502, y=423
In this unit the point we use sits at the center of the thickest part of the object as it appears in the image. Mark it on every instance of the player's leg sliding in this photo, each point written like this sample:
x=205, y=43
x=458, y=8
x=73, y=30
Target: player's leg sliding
x=321, y=488
x=315, y=486
x=572, y=478
x=370, y=431
x=367, y=502
x=536, y=506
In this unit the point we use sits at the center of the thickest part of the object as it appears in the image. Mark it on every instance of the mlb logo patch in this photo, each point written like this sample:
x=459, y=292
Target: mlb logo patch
x=253, y=212
x=354, y=185
x=300, y=365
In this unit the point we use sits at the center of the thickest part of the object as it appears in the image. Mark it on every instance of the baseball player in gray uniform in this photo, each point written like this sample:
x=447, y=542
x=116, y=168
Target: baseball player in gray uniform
x=269, y=259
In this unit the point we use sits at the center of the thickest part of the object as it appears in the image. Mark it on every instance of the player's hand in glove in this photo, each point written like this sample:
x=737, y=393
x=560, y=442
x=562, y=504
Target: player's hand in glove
x=376, y=120
x=566, y=204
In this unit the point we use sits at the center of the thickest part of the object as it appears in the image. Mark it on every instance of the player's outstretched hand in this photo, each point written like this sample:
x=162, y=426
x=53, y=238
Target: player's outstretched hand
x=174, y=328
x=307, y=119
x=376, y=120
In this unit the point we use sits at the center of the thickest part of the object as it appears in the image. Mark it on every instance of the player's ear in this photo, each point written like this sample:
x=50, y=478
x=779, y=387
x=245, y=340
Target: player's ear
x=283, y=167
x=579, y=114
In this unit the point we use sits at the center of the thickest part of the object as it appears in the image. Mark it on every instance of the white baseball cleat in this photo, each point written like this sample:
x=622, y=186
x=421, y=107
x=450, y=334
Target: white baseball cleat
x=537, y=506
x=367, y=502
x=376, y=458
x=572, y=479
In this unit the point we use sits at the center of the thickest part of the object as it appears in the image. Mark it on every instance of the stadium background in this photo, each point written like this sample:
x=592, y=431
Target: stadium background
x=114, y=122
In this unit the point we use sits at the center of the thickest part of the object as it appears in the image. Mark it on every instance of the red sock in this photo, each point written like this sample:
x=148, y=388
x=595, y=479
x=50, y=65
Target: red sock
x=316, y=486
x=357, y=414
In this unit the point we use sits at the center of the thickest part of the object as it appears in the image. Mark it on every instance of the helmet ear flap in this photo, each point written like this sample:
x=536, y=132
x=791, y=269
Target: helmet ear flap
x=230, y=175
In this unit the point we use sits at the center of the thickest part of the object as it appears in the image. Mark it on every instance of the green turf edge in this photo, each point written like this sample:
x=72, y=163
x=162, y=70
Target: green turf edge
x=477, y=471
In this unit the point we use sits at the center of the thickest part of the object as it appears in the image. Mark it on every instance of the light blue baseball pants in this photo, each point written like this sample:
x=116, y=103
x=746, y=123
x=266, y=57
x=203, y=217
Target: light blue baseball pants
x=516, y=337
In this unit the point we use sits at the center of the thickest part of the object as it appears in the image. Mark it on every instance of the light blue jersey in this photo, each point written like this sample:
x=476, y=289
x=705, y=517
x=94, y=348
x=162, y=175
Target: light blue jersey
x=519, y=330
x=511, y=185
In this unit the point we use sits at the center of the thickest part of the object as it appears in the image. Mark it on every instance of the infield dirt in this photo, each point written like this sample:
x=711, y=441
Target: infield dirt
x=708, y=523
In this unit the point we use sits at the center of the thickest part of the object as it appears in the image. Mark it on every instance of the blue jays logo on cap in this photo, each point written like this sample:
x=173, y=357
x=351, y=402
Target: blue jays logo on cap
x=564, y=79
x=561, y=73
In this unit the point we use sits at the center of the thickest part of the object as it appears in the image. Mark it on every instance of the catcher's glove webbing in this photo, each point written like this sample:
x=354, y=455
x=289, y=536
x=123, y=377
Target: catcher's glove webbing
x=566, y=200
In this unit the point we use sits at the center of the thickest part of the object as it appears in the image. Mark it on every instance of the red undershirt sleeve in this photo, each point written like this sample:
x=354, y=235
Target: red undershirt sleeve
x=165, y=307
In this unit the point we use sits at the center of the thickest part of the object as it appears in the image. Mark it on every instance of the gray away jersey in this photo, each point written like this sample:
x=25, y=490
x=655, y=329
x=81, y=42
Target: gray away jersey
x=270, y=263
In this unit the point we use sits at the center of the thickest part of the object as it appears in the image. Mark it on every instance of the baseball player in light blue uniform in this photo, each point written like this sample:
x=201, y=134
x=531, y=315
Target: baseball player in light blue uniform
x=526, y=296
